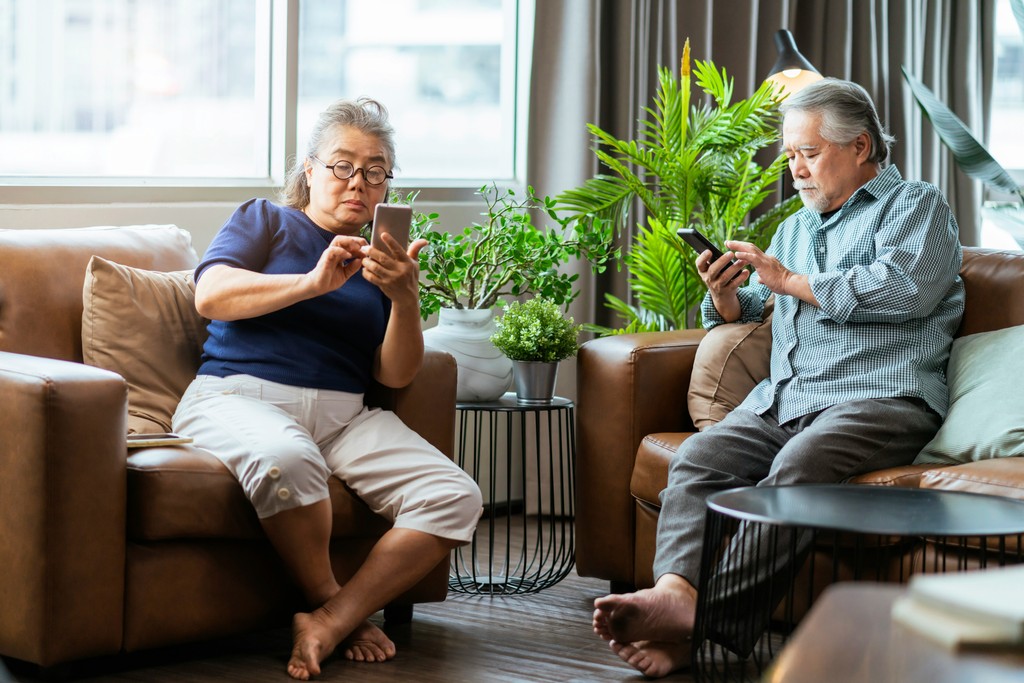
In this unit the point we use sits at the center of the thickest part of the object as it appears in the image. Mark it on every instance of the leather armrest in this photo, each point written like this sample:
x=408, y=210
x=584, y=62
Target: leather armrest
x=427, y=404
x=994, y=477
x=62, y=509
x=628, y=386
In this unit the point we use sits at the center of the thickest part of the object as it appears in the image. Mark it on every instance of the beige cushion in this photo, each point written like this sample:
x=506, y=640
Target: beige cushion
x=143, y=325
x=731, y=360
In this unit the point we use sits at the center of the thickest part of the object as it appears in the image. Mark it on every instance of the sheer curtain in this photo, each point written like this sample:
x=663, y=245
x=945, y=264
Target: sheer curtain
x=595, y=61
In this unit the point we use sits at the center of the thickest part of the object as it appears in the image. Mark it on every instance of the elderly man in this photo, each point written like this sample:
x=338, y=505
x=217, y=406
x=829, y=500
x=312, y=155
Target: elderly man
x=867, y=300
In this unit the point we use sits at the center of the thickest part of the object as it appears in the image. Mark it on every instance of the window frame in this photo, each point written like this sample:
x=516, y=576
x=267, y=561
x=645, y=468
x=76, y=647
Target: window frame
x=283, y=69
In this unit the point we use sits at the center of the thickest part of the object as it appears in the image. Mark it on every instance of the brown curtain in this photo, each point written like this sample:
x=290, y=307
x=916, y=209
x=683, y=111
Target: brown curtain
x=595, y=61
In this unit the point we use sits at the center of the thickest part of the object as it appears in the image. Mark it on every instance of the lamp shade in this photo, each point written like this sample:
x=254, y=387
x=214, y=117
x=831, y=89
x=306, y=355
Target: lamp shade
x=792, y=71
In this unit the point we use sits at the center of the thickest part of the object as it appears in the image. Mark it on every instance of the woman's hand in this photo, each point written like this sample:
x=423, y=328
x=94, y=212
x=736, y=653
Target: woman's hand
x=394, y=271
x=397, y=273
x=339, y=261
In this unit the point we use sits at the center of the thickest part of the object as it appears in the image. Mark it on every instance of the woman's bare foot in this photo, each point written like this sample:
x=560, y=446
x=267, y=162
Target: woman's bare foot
x=654, y=659
x=313, y=642
x=368, y=644
x=664, y=613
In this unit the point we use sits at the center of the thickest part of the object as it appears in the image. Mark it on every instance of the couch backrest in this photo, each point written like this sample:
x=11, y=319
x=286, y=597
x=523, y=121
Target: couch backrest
x=994, y=281
x=42, y=273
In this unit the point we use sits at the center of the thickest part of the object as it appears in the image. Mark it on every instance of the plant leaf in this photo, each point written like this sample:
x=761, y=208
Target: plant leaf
x=970, y=155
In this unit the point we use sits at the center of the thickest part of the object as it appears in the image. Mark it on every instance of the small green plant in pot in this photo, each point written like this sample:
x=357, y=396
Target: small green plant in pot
x=535, y=336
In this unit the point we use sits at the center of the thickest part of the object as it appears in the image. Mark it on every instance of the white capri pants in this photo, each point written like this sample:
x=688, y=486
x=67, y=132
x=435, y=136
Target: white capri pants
x=283, y=442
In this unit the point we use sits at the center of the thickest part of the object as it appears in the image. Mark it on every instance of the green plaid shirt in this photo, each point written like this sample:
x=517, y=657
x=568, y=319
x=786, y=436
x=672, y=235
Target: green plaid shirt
x=885, y=271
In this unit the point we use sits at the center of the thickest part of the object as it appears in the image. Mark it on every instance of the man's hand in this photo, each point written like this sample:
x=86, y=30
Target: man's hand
x=723, y=279
x=772, y=274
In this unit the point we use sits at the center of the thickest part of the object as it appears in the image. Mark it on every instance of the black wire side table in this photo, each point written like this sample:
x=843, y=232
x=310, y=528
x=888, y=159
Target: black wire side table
x=768, y=551
x=524, y=458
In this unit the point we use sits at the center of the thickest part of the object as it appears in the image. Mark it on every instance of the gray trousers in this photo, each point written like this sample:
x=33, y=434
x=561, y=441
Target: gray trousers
x=746, y=449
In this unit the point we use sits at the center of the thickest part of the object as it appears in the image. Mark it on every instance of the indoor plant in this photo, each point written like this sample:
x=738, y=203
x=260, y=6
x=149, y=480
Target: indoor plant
x=465, y=274
x=692, y=165
x=535, y=336
x=971, y=156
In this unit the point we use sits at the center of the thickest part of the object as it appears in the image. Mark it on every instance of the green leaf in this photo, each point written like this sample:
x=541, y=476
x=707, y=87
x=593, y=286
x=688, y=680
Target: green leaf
x=970, y=155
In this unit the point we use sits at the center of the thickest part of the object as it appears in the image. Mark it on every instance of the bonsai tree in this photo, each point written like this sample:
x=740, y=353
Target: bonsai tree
x=536, y=331
x=506, y=255
x=693, y=165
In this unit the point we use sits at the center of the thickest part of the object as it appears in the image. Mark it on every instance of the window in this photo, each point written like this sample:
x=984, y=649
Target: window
x=154, y=90
x=445, y=69
x=1005, y=141
x=1000, y=229
x=193, y=93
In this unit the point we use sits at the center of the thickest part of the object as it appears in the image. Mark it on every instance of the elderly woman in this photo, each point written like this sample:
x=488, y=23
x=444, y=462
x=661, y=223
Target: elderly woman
x=304, y=315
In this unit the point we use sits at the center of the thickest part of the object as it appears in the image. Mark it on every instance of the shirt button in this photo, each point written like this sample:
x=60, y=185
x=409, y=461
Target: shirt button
x=274, y=472
x=284, y=494
x=821, y=250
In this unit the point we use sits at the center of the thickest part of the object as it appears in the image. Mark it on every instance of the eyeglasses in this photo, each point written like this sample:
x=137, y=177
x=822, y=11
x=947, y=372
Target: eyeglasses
x=343, y=170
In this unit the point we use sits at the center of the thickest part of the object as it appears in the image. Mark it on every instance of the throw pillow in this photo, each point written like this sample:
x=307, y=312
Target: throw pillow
x=730, y=361
x=986, y=417
x=143, y=325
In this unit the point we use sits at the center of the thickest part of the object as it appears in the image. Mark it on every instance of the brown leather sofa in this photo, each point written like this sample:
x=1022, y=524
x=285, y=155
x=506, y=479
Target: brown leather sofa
x=632, y=415
x=103, y=550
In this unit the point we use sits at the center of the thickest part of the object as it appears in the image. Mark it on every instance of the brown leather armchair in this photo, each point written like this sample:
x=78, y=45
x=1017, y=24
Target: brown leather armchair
x=104, y=551
x=632, y=416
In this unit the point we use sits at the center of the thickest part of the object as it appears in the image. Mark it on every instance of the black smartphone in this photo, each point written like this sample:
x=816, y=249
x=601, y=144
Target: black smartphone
x=395, y=220
x=699, y=242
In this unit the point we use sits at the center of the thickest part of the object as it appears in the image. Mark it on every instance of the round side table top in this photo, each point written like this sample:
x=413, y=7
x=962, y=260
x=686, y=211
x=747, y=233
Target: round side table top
x=874, y=509
x=510, y=402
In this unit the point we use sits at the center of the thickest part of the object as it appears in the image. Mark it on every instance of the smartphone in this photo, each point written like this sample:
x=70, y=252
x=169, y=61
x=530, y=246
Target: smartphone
x=395, y=220
x=157, y=439
x=699, y=242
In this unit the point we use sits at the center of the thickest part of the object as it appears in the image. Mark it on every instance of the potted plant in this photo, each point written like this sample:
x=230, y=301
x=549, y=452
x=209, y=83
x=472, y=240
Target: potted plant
x=465, y=274
x=692, y=165
x=535, y=336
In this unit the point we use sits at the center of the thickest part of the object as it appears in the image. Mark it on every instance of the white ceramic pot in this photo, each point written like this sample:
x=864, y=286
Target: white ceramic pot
x=484, y=371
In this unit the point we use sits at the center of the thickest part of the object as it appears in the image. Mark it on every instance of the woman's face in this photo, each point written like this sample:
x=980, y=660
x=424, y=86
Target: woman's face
x=345, y=206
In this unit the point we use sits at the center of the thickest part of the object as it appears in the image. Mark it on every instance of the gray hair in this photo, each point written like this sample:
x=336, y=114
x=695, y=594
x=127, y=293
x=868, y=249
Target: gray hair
x=846, y=111
x=365, y=115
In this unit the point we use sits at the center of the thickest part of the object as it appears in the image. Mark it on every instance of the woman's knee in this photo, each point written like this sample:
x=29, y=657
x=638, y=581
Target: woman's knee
x=277, y=478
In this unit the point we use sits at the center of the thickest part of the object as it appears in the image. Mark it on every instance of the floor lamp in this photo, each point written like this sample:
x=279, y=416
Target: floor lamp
x=792, y=71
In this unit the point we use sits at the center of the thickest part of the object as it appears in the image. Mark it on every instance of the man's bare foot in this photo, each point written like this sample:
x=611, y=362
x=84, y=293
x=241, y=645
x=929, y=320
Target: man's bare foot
x=664, y=613
x=313, y=641
x=652, y=658
x=368, y=644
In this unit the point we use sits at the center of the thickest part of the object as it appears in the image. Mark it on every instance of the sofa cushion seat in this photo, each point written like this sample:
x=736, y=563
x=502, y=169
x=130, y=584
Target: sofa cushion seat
x=650, y=471
x=166, y=485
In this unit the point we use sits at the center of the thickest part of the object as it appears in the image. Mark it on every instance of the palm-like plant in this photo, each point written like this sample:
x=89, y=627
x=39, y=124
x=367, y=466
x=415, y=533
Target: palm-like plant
x=970, y=155
x=691, y=166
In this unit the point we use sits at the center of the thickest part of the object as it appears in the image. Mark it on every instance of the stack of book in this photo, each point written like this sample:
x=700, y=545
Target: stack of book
x=973, y=609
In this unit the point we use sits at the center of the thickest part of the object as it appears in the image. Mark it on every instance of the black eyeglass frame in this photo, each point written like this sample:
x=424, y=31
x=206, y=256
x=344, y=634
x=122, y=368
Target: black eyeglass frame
x=333, y=168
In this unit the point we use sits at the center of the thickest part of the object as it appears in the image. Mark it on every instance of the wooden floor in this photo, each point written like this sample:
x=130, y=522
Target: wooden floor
x=544, y=636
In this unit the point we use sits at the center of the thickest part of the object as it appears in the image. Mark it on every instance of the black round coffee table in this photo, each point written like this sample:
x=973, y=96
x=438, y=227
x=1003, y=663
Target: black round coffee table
x=769, y=551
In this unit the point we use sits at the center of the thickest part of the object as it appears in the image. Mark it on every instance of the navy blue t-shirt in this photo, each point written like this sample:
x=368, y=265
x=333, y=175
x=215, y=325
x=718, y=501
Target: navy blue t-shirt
x=327, y=342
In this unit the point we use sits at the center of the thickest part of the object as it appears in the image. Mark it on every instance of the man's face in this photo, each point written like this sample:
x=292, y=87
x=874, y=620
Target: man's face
x=825, y=173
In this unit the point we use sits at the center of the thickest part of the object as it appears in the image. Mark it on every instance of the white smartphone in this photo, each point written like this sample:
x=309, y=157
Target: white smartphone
x=157, y=439
x=395, y=220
